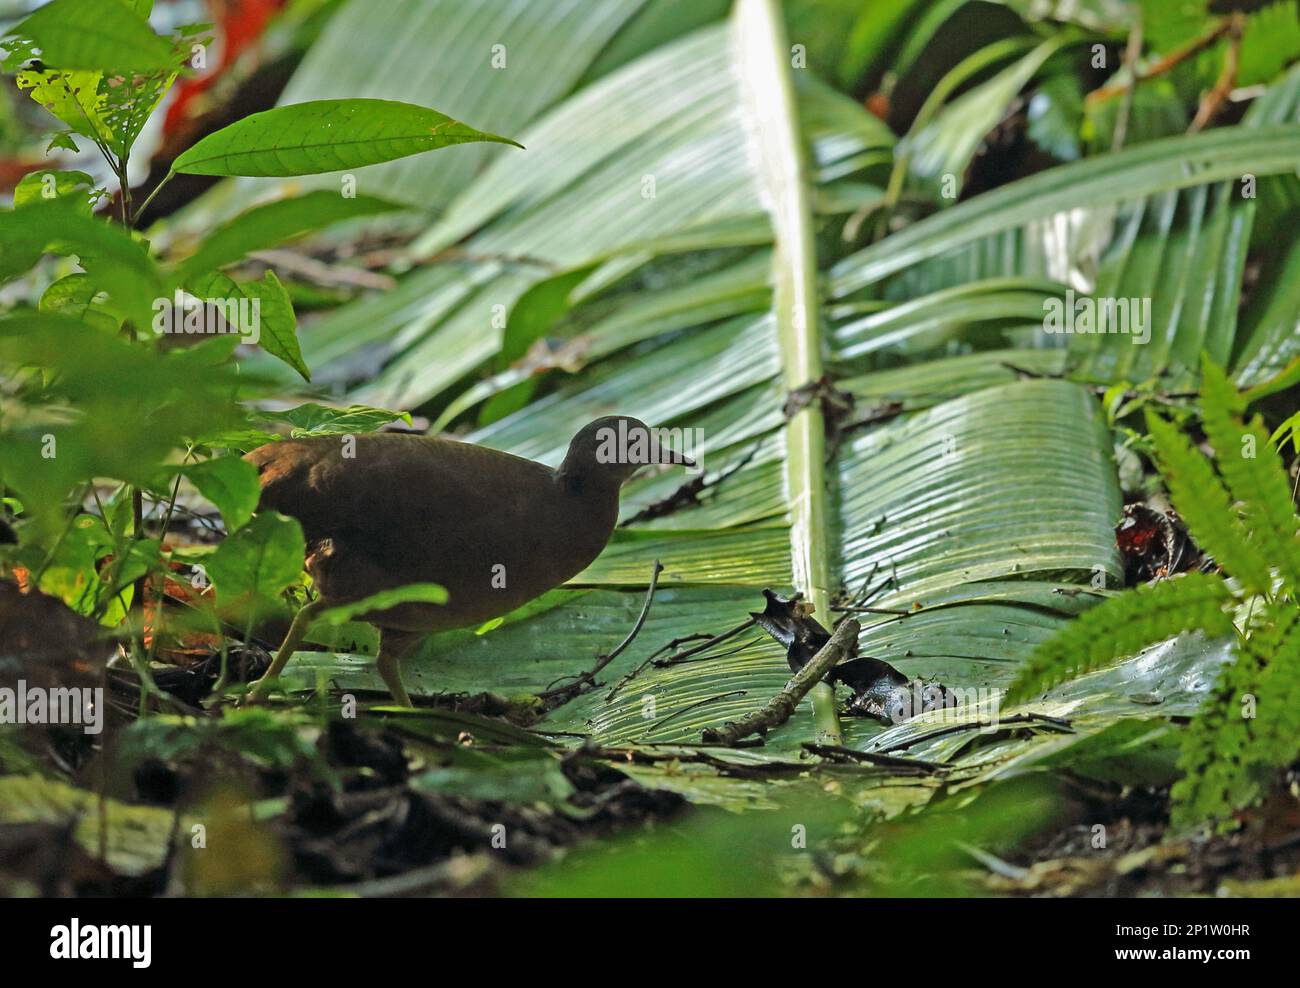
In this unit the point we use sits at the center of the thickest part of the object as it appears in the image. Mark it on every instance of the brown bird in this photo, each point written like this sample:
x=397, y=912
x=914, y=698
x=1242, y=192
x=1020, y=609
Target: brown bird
x=495, y=530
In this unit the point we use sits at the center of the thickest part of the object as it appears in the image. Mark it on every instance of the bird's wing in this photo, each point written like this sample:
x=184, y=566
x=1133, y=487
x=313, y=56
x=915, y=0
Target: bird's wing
x=396, y=487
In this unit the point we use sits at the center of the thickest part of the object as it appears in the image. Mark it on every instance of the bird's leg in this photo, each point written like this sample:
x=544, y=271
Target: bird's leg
x=392, y=646
x=292, y=639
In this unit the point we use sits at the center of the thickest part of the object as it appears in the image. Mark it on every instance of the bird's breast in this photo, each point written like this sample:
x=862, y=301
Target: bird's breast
x=501, y=562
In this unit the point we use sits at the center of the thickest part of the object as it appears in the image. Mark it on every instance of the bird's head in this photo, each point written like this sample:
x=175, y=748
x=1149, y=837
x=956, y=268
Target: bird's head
x=608, y=451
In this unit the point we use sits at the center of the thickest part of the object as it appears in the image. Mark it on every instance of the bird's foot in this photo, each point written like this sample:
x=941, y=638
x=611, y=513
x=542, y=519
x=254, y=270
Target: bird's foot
x=256, y=695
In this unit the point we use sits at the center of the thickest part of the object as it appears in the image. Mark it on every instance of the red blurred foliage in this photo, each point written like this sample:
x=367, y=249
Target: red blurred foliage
x=240, y=24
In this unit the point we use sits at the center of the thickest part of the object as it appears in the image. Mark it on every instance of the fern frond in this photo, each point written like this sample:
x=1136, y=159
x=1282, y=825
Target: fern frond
x=1253, y=473
x=1277, y=726
x=1123, y=625
x=1224, y=751
x=1206, y=507
x=1287, y=431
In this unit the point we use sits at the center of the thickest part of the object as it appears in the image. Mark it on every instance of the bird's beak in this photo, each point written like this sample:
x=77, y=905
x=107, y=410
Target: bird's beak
x=666, y=457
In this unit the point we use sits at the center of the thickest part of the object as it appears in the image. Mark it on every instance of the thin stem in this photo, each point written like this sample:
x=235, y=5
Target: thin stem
x=119, y=555
x=49, y=556
x=135, y=220
x=570, y=690
x=1168, y=63
x=1132, y=52
x=162, y=585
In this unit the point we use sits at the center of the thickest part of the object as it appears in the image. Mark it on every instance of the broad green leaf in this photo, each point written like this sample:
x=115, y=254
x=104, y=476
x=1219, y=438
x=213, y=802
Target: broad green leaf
x=98, y=35
x=924, y=384
x=320, y=420
x=444, y=43
x=273, y=223
x=1123, y=625
x=308, y=420
x=136, y=838
x=1270, y=42
x=670, y=111
x=423, y=593
x=115, y=262
x=947, y=497
x=1148, y=169
x=76, y=295
x=946, y=144
x=48, y=184
x=260, y=559
x=719, y=175
x=230, y=484
x=275, y=322
x=110, y=407
x=979, y=309
x=325, y=136
x=1180, y=257
x=72, y=96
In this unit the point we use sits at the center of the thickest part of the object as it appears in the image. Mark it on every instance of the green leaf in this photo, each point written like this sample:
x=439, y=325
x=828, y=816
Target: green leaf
x=309, y=420
x=424, y=593
x=444, y=43
x=1288, y=430
x=273, y=223
x=946, y=144
x=134, y=839
x=63, y=139
x=261, y=559
x=1271, y=41
x=115, y=262
x=1181, y=255
x=1055, y=116
x=231, y=484
x=276, y=324
x=553, y=204
x=325, y=136
x=116, y=409
x=977, y=310
x=1276, y=733
x=321, y=420
x=98, y=35
x=960, y=493
x=76, y=295
x=50, y=184
x=1149, y=168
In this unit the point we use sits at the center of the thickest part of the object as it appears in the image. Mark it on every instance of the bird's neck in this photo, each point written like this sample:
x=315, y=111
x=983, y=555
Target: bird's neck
x=594, y=497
